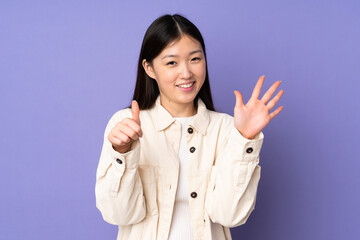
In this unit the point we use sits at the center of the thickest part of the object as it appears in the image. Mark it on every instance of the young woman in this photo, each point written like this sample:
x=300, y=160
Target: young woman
x=171, y=167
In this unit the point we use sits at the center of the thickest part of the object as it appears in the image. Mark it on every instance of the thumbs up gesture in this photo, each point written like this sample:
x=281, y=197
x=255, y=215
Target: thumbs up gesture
x=127, y=131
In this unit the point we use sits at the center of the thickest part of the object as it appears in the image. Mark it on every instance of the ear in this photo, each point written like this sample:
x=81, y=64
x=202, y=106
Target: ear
x=148, y=69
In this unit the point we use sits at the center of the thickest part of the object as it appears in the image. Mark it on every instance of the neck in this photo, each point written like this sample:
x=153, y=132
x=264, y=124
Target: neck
x=179, y=110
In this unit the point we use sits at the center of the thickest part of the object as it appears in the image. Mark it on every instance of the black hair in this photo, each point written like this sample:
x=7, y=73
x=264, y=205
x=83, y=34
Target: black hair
x=159, y=35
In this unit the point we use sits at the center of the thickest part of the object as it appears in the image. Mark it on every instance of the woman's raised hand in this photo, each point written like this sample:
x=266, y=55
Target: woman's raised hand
x=127, y=131
x=251, y=118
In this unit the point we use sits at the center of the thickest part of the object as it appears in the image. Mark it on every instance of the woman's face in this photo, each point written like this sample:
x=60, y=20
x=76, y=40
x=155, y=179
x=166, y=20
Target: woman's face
x=179, y=71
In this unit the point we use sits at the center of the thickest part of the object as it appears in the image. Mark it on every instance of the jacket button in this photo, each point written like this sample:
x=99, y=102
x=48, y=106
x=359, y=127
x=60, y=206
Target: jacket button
x=249, y=150
x=193, y=194
x=119, y=161
x=192, y=149
x=190, y=130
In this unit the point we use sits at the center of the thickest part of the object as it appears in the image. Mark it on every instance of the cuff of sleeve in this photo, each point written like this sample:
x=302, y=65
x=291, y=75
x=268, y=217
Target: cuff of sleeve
x=129, y=160
x=250, y=148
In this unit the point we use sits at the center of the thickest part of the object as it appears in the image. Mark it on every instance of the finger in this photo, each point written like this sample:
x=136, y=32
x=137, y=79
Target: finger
x=115, y=141
x=270, y=92
x=276, y=112
x=112, y=140
x=123, y=137
x=134, y=125
x=135, y=111
x=129, y=132
x=257, y=88
x=273, y=101
x=118, y=134
x=239, y=99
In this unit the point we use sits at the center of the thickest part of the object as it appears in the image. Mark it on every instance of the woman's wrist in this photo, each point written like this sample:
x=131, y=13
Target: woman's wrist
x=123, y=149
x=247, y=136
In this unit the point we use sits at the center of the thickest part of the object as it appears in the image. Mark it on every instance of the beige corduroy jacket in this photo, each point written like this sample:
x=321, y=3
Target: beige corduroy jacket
x=136, y=190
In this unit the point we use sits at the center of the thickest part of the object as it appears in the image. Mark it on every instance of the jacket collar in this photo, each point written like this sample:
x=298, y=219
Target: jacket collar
x=163, y=118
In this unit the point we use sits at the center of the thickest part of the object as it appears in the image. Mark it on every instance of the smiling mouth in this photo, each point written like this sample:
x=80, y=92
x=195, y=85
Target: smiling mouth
x=189, y=85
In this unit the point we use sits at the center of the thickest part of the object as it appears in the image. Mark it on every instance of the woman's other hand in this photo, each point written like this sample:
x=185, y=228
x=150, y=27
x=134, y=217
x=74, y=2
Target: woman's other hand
x=127, y=131
x=251, y=118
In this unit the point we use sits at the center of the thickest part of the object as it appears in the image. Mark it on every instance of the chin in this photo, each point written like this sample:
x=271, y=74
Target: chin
x=187, y=100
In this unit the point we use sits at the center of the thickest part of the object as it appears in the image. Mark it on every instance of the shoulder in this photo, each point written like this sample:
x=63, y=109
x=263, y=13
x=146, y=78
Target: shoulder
x=220, y=118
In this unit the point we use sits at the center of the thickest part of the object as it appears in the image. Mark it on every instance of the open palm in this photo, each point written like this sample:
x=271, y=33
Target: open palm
x=251, y=118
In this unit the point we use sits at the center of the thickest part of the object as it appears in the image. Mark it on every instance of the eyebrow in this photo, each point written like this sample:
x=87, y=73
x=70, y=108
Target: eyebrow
x=172, y=55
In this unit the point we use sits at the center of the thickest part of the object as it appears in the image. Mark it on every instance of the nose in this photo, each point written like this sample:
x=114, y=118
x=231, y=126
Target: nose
x=185, y=72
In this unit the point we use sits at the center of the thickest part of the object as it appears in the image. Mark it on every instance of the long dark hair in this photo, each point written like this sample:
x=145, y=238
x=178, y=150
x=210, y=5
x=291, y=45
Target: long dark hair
x=159, y=35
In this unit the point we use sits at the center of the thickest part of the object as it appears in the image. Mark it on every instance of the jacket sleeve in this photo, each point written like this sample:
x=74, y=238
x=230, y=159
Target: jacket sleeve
x=232, y=189
x=118, y=188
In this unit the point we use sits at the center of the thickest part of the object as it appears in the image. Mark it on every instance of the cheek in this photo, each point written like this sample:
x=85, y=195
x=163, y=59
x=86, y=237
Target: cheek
x=201, y=71
x=162, y=77
x=164, y=80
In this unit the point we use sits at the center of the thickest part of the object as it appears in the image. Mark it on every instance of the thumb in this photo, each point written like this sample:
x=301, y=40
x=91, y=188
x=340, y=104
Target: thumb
x=239, y=99
x=135, y=111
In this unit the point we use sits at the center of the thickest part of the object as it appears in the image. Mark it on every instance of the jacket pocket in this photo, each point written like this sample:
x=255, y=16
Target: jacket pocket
x=148, y=175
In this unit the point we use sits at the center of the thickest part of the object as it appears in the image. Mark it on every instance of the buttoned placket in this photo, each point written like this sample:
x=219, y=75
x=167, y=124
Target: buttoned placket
x=191, y=146
x=195, y=201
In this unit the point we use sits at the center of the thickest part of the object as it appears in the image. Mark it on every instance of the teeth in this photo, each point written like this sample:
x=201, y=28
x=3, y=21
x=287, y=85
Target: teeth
x=186, y=85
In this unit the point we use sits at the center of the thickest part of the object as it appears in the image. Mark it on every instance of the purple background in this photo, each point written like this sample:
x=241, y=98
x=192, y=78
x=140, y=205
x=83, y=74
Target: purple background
x=67, y=66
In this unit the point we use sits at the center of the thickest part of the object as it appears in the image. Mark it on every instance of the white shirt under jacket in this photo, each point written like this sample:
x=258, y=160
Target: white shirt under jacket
x=136, y=190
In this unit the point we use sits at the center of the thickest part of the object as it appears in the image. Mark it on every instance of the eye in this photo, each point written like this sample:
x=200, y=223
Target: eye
x=171, y=63
x=196, y=59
